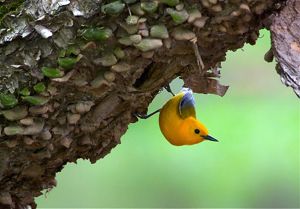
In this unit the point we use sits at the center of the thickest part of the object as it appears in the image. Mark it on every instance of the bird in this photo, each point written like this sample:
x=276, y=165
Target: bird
x=178, y=122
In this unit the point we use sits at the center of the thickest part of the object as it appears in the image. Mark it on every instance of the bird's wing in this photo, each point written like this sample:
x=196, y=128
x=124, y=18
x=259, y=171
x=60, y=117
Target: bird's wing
x=187, y=104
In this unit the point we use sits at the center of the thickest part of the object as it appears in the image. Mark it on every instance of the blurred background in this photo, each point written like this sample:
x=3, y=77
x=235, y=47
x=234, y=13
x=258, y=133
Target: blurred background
x=255, y=164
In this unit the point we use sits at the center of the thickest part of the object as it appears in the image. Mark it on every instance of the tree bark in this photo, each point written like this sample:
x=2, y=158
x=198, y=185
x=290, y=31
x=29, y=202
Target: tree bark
x=73, y=73
x=286, y=44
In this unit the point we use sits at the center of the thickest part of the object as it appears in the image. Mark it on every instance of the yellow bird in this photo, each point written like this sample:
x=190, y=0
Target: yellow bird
x=177, y=120
x=178, y=123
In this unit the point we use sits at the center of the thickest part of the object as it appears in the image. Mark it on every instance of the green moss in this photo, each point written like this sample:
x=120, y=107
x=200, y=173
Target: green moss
x=9, y=7
x=171, y=3
x=39, y=87
x=149, y=7
x=67, y=62
x=97, y=34
x=178, y=17
x=8, y=100
x=51, y=72
x=113, y=8
x=25, y=91
x=35, y=100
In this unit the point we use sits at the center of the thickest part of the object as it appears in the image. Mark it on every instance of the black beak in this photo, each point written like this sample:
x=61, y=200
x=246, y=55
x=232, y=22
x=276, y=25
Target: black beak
x=208, y=137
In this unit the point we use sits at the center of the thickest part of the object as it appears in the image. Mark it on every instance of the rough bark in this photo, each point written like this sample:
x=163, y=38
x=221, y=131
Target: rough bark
x=286, y=44
x=107, y=77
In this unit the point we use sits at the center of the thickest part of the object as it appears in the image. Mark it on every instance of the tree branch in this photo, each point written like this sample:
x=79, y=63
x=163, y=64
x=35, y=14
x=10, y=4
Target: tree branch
x=74, y=72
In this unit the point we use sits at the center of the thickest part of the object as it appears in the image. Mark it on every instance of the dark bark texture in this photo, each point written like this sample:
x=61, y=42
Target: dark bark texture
x=285, y=30
x=73, y=73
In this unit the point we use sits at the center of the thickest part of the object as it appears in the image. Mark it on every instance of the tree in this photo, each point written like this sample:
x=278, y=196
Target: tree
x=73, y=73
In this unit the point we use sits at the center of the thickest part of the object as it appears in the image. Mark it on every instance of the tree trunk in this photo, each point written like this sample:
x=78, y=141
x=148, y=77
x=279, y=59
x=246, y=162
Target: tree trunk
x=73, y=73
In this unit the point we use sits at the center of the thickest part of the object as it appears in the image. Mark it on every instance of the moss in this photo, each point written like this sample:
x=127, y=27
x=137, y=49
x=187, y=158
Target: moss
x=8, y=100
x=8, y=7
x=35, y=100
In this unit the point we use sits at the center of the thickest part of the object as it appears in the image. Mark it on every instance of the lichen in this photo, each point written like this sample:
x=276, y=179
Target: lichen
x=9, y=7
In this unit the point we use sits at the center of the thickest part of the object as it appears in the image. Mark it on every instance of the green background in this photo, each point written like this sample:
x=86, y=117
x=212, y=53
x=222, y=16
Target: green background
x=255, y=164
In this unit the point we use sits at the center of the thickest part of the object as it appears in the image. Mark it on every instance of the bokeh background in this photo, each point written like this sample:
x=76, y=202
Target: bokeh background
x=255, y=164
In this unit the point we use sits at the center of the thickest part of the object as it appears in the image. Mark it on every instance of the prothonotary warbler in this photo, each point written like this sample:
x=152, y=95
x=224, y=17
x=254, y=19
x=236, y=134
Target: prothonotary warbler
x=178, y=123
x=177, y=120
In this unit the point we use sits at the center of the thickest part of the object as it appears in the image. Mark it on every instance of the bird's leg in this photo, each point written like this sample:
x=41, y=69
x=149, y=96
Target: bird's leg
x=168, y=88
x=146, y=116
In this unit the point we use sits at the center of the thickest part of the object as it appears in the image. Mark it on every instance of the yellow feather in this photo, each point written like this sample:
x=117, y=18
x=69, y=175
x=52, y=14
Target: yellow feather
x=177, y=130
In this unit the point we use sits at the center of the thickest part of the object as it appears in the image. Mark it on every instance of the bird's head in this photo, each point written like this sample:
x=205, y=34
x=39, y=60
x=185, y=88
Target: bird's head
x=195, y=132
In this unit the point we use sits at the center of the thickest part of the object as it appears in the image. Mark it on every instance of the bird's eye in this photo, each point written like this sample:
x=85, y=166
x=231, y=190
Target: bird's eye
x=197, y=131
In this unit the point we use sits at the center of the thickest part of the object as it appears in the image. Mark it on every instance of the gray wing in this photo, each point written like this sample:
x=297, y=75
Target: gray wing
x=187, y=104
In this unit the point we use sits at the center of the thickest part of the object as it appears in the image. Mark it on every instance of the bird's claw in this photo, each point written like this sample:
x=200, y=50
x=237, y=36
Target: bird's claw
x=138, y=115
